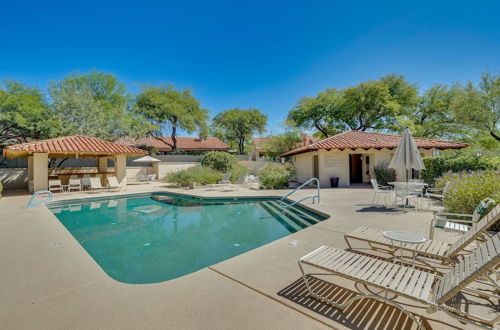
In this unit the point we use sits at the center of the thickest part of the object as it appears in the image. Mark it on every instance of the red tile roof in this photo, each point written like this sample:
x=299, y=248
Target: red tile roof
x=365, y=140
x=74, y=144
x=183, y=143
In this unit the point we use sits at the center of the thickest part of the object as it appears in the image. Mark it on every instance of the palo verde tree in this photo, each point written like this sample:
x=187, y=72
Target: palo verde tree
x=95, y=104
x=238, y=125
x=24, y=114
x=478, y=107
x=168, y=108
x=281, y=143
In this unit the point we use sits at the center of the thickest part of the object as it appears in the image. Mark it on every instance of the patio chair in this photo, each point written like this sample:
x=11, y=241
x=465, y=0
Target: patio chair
x=95, y=184
x=380, y=190
x=438, y=193
x=423, y=287
x=74, y=184
x=460, y=222
x=55, y=185
x=242, y=181
x=147, y=178
x=113, y=183
x=406, y=192
x=443, y=251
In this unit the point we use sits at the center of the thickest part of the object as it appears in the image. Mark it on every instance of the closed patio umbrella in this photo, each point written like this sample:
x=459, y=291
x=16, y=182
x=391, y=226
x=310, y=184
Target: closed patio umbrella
x=407, y=156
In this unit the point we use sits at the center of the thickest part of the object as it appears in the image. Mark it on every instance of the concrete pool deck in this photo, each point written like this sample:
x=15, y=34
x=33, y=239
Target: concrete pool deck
x=48, y=281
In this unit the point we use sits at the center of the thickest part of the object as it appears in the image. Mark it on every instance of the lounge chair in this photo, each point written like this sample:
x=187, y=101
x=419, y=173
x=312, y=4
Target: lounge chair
x=242, y=180
x=55, y=185
x=460, y=222
x=420, y=286
x=113, y=183
x=224, y=182
x=443, y=251
x=95, y=184
x=74, y=184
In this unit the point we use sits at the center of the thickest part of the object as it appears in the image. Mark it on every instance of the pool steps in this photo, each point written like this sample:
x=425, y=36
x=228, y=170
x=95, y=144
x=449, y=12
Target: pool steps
x=291, y=217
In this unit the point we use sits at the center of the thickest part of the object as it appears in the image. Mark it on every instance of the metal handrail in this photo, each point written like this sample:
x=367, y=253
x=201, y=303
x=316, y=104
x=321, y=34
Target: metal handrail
x=315, y=198
x=33, y=202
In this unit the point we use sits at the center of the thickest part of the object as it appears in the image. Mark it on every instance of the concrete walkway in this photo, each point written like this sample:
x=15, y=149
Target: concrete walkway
x=48, y=281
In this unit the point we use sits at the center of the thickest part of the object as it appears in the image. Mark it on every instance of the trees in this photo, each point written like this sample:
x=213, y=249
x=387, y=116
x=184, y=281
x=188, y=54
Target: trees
x=281, y=143
x=432, y=116
x=24, y=114
x=368, y=105
x=167, y=108
x=479, y=107
x=238, y=125
x=95, y=104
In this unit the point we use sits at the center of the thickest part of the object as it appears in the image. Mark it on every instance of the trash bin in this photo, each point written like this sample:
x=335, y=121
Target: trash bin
x=334, y=181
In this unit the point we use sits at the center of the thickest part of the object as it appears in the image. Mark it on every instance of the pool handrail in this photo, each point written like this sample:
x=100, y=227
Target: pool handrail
x=33, y=202
x=315, y=198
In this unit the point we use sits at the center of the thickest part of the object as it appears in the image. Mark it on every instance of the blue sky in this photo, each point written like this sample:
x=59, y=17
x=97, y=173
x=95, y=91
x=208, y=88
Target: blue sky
x=263, y=54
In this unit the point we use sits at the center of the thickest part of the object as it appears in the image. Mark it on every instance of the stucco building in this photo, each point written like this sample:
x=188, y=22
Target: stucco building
x=351, y=156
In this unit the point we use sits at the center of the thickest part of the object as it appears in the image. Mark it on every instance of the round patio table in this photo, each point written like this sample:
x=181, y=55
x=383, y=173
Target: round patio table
x=411, y=187
x=405, y=237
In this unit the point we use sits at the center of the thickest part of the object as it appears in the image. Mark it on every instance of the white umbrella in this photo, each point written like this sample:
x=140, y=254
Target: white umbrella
x=146, y=159
x=407, y=156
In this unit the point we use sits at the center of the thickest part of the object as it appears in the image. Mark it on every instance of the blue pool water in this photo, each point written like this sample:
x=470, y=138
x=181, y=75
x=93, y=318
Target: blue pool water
x=159, y=237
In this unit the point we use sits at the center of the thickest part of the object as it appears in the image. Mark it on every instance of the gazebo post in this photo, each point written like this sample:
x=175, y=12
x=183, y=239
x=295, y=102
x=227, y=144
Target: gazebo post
x=40, y=171
x=156, y=169
x=121, y=169
x=102, y=164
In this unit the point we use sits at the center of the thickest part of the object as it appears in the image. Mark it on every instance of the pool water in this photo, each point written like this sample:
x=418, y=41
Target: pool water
x=159, y=237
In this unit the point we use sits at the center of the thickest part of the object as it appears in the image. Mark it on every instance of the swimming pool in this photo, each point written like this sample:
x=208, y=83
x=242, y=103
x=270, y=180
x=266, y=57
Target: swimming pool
x=157, y=237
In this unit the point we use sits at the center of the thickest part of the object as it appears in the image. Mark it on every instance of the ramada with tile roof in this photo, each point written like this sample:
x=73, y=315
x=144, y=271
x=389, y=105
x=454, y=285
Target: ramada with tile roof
x=190, y=144
x=351, y=156
x=71, y=146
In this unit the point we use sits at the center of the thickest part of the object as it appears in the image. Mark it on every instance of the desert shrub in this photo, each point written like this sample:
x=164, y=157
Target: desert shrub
x=236, y=171
x=384, y=174
x=198, y=174
x=458, y=161
x=274, y=176
x=1, y=188
x=218, y=160
x=467, y=189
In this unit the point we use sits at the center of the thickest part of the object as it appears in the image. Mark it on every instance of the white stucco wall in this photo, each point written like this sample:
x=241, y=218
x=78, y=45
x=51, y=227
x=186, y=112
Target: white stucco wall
x=336, y=163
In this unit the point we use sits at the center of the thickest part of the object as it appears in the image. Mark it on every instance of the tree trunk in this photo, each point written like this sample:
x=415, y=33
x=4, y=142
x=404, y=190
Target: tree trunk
x=495, y=136
x=241, y=145
x=174, y=138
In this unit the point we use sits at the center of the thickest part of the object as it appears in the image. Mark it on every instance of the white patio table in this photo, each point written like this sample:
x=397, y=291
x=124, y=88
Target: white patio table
x=405, y=237
x=411, y=189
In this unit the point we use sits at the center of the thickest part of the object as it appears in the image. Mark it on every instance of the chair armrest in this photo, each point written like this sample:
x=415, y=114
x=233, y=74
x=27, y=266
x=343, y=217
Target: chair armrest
x=452, y=215
x=435, y=189
x=385, y=187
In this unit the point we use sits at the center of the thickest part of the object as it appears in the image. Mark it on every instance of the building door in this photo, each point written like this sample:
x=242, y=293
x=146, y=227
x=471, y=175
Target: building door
x=316, y=167
x=355, y=168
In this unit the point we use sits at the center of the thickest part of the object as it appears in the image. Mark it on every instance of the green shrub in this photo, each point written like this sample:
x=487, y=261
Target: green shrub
x=274, y=176
x=236, y=171
x=458, y=161
x=384, y=174
x=198, y=174
x=467, y=189
x=1, y=188
x=218, y=160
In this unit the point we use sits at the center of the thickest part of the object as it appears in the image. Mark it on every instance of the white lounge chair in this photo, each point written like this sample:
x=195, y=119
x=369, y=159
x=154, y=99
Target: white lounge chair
x=380, y=190
x=242, y=181
x=460, y=222
x=74, y=184
x=113, y=183
x=55, y=185
x=147, y=178
x=224, y=182
x=443, y=251
x=95, y=184
x=411, y=283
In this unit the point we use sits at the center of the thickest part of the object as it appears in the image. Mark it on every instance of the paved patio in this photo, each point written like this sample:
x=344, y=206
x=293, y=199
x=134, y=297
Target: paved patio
x=54, y=286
